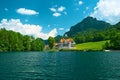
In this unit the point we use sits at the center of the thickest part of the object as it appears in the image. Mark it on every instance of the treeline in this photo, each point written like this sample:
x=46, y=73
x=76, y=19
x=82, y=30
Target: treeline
x=95, y=35
x=14, y=41
x=114, y=43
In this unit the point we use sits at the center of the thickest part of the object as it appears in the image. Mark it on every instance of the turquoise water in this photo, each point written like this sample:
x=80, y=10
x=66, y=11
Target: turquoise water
x=60, y=66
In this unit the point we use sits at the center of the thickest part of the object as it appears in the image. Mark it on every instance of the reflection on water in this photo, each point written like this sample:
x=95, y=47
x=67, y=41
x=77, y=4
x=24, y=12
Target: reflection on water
x=60, y=66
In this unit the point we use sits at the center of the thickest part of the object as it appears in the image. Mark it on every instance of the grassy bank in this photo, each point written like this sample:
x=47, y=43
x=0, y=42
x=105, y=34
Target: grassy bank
x=91, y=46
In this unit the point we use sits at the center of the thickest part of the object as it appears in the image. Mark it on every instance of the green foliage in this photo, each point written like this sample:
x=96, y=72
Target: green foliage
x=3, y=40
x=37, y=45
x=14, y=41
x=95, y=35
x=27, y=43
x=57, y=38
x=51, y=41
x=114, y=43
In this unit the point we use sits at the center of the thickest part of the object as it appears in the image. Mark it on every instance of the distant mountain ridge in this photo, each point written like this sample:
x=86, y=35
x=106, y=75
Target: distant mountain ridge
x=87, y=24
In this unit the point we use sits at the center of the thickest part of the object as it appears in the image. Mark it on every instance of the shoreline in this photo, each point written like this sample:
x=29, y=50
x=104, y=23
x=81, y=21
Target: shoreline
x=66, y=50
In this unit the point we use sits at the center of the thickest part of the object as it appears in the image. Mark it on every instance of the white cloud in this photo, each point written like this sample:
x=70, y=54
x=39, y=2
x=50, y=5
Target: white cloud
x=61, y=28
x=27, y=11
x=107, y=10
x=26, y=29
x=80, y=2
x=61, y=9
x=56, y=14
x=53, y=9
x=52, y=33
x=58, y=11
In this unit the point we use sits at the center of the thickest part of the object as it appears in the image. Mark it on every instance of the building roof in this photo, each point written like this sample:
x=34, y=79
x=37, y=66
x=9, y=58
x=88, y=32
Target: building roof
x=62, y=40
x=67, y=40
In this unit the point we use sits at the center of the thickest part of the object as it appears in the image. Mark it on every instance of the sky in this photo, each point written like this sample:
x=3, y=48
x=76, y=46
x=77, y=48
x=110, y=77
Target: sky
x=44, y=18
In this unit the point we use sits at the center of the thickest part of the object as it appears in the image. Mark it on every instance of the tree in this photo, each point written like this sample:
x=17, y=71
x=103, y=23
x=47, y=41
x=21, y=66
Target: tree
x=27, y=43
x=107, y=45
x=114, y=43
x=4, y=40
x=37, y=45
x=57, y=38
x=51, y=41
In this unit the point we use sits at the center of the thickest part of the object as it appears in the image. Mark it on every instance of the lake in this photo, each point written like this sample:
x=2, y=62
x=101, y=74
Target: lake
x=60, y=65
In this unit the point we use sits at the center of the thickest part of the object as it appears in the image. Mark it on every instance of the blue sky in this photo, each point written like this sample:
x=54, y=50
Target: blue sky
x=44, y=18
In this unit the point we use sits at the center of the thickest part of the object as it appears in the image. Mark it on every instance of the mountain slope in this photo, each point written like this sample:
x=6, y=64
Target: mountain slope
x=87, y=24
x=117, y=25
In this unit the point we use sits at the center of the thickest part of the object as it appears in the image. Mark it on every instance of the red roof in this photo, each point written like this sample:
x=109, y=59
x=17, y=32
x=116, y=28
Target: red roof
x=67, y=40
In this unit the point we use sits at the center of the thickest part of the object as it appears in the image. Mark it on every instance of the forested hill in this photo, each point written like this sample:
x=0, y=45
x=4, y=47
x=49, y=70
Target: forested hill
x=87, y=24
x=117, y=25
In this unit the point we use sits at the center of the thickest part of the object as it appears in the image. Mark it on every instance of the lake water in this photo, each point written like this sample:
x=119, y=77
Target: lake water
x=60, y=66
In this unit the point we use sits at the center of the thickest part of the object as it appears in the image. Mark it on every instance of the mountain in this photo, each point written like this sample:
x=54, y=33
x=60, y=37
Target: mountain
x=117, y=25
x=87, y=24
